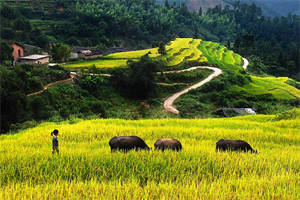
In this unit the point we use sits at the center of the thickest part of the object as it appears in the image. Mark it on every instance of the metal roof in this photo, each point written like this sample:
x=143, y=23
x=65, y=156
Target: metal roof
x=34, y=57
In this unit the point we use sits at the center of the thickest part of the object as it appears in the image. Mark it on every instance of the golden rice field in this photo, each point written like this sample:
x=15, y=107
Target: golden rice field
x=177, y=51
x=86, y=169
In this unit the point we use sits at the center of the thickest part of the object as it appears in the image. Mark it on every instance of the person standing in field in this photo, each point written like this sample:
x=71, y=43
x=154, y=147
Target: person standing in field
x=55, y=142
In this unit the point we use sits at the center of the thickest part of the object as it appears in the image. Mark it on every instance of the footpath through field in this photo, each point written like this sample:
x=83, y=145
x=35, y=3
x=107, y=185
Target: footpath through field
x=246, y=63
x=168, y=103
x=51, y=84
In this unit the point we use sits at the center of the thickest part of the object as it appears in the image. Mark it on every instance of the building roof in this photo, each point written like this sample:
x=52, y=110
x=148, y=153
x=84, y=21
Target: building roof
x=30, y=47
x=34, y=57
x=17, y=43
x=77, y=49
x=227, y=112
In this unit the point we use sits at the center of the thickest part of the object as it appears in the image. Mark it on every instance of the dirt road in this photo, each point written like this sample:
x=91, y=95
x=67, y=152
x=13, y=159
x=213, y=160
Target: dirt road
x=49, y=85
x=246, y=63
x=168, y=104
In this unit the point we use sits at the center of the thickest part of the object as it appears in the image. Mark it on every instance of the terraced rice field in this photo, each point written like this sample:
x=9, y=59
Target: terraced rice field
x=133, y=54
x=86, y=169
x=270, y=85
x=219, y=55
x=100, y=63
x=178, y=51
x=204, y=52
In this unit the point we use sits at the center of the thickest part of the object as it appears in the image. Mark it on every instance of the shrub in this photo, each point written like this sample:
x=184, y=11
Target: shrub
x=290, y=114
x=138, y=81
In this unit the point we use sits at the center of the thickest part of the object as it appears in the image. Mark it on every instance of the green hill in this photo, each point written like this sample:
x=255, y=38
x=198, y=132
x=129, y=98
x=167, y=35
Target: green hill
x=188, y=50
x=271, y=8
x=103, y=96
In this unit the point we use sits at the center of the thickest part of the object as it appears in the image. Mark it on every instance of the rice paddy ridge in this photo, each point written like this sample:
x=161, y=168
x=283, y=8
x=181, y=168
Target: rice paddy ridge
x=177, y=51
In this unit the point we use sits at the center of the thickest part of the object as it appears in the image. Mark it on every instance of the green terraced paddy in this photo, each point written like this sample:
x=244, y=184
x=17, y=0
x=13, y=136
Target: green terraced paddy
x=178, y=51
x=270, y=85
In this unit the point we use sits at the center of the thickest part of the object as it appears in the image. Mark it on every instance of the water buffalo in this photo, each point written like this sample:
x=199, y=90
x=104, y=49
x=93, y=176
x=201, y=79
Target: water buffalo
x=126, y=143
x=233, y=145
x=173, y=144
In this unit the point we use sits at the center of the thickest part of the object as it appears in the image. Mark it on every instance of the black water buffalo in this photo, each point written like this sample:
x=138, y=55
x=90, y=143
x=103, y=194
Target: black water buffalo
x=173, y=144
x=233, y=145
x=126, y=143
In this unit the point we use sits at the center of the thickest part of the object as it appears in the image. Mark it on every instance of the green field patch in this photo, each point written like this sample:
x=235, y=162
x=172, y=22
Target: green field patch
x=238, y=59
x=177, y=47
x=133, y=54
x=196, y=52
x=219, y=55
x=270, y=85
x=229, y=58
x=100, y=63
x=221, y=51
x=179, y=58
x=178, y=51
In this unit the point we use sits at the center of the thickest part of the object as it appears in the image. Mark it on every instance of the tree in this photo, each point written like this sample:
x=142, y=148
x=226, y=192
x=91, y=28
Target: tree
x=200, y=12
x=138, y=81
x=237, y=43
x=167, y=4
x=142, y=77
x=6, y=52
x=228, y=44
x=60, y=52
x=8, y=12
x=162, y=49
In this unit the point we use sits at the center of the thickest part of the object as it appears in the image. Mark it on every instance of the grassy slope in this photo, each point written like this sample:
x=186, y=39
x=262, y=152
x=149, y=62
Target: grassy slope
x=228, y=60
x=184, y=50
x=86, y=168
x=220, y=56
x=270, y=85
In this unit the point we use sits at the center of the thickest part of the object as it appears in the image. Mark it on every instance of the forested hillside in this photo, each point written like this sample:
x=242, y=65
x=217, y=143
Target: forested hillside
x=271, y=45
x=141, y=24
x=133, y=85
x=272, y=8
x=277, y=8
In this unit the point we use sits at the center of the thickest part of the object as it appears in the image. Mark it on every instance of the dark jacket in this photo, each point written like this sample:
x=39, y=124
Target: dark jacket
x=55, y=142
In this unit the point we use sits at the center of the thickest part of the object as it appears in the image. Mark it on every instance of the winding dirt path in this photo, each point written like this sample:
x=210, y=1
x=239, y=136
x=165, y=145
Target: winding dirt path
x=168, y=104
x=49, y=85
x=246, y=63
x=180, y=71
x=172, y=84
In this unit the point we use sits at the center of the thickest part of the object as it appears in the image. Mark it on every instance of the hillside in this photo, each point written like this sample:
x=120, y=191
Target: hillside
x=188, y=50
x=194, y=5
x=104, y=92
x=101, y=25
x=86, y=169
x=178, y=52
x=272, y=8
x=277, y=8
